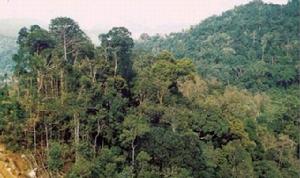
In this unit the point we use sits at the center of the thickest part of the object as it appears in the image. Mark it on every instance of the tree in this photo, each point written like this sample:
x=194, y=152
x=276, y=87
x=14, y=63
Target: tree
x=86, y=112
x=135, y=126
x=118, y=47
x=266, y=169
x=161, y=75
x=55, y=160
x=37, y=39
x=107, y=163
x=73, y=40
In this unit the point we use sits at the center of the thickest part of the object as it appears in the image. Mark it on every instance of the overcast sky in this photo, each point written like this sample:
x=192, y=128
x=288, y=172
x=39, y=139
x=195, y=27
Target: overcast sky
x=137, y=15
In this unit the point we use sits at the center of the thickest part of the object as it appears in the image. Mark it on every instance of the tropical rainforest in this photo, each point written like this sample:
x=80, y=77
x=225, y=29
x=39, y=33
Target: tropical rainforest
x=220, y=99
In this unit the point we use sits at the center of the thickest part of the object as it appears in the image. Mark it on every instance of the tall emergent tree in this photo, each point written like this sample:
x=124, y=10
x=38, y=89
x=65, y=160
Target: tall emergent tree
x=118, y=45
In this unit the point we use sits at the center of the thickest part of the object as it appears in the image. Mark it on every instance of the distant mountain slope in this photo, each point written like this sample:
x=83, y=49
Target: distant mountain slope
x=11, y=27
x=254, y=45
x=8, y=47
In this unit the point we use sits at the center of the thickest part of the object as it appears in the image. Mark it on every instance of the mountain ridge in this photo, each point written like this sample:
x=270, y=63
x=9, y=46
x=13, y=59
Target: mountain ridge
x=226, y=45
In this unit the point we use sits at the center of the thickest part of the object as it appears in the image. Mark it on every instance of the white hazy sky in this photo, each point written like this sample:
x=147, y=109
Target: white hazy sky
x=90, y=14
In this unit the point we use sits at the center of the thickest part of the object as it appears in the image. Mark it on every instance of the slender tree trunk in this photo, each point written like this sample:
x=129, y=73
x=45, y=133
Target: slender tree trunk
x=76, y=135
x=47, y=137
x=96, y=137
x=76, y=56
x=65, y=45
x=52, y=83
x=93, y=72
x=62, y=85
x=160, y=97
x=173, y=128
x=133, y=157
x=34, y=137
x=46, y=83
x=116, y=64
x=39, y=86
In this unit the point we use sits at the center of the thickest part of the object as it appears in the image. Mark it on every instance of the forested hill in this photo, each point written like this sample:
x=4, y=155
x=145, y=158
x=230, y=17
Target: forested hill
x=112, y=111
x=255, y=45
x=8, y=47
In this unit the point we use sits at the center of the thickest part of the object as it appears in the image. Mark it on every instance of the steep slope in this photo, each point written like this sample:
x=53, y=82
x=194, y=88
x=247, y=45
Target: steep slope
x=255, y=45
x=8, y=47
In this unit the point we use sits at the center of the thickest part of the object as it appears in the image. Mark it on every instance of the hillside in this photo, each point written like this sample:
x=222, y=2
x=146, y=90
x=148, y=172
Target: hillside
x=248, y=46
x=10, y=26
x=220, y=100
x=8, y=47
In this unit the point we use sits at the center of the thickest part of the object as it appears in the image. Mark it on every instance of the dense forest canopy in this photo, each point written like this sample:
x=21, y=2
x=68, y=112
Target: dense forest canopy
x=255, y=46
x=219, y=100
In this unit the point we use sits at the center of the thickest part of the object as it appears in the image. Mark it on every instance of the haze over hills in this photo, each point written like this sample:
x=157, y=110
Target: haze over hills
x=140, y=18
x=8, y=36
x=138, y=29
x=10, y=27
x=8, y=47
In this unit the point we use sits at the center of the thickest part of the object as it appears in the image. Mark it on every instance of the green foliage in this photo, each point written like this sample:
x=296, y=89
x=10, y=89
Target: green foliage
x=255, y=46
x=116, y=114
x=117, y=44
x=108, y=163
x=55, y=160
x=266, y=169
x=81, y=169
x=134, y=126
